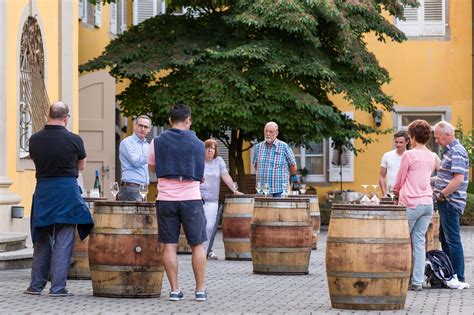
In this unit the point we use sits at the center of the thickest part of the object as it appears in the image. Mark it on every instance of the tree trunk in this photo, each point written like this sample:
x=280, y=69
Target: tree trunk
x=236, y=162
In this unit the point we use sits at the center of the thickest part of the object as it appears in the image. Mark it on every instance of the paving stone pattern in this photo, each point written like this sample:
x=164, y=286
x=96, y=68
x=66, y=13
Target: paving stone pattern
x=233, y=289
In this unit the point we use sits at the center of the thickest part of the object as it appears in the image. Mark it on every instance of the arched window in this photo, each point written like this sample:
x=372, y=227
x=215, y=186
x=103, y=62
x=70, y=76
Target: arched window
x=34, y=101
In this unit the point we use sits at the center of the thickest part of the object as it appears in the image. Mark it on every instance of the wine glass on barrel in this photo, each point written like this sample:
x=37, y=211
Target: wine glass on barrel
x=390, y=193
x=375, y=200
x=258, y=188
x=285, y=190
x=266, y=188
x=143, y=190
x=114, y=189
x=365, y=200
x=303, y=189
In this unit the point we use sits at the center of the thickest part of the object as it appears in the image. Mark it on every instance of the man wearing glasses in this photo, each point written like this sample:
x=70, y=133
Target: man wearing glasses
x=133, y=157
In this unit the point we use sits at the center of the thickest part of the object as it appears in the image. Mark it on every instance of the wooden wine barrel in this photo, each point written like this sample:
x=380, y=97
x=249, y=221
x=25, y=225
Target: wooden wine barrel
x=124, y=252
x=368, y=257
x=281, y=236
x=238, y=210
x=432, y=234
x=183, y=246
x=315, y=215
x=79, y=268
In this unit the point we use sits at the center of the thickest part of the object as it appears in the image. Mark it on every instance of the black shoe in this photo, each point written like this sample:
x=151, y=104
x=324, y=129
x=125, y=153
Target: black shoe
x=414, y=287
x=30, y=291
x=62, y=293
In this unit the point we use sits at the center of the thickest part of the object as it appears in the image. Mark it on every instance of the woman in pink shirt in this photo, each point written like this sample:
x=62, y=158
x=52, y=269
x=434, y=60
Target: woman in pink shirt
x=414, y=190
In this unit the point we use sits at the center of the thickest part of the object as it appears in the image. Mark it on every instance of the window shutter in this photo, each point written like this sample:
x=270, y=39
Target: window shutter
x=123, y=16
x=412, y=26
x=145, y=9
x=223, y=150
x=113, y=18
x=347, y=170
x=434, y=17
x=98, y=14
x=80, y=10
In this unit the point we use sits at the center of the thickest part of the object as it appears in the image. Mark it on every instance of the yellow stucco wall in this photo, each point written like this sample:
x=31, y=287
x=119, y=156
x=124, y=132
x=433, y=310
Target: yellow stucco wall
x=425, y=73
x=47, y=12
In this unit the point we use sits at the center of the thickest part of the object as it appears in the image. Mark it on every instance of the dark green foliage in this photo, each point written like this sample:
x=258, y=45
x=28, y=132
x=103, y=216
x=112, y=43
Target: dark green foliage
x=468, y=216
x=243, y=63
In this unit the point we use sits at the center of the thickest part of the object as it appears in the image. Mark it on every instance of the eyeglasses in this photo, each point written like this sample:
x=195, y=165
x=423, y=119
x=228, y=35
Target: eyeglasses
x=143, y=126
x=210, y=148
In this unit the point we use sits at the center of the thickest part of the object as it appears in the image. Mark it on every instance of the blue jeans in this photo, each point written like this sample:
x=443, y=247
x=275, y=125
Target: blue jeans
x=450, y=236
x=52, y=257
x=278, y=194
x=129, y=193
x=418, y=221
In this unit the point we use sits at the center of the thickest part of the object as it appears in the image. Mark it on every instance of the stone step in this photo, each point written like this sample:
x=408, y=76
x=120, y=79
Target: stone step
x=12, y=241
x=18, y=259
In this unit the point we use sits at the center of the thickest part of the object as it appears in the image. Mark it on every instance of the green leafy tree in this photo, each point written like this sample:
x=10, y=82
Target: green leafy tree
x=242, y=63
x=466, y=139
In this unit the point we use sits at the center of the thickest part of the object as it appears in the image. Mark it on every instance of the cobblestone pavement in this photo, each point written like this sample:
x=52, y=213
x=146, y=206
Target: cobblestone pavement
x=233, y=289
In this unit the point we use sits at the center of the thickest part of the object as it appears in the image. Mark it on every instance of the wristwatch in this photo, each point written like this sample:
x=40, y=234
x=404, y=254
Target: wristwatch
x=441, y=196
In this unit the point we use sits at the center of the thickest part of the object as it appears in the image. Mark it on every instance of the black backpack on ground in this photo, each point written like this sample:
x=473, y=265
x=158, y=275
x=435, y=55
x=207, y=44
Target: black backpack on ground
x=438, y=269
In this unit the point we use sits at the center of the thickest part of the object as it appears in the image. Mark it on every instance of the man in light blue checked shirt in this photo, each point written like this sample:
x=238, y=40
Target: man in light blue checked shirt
x=134, y=159
x=273, y=160
x=450, y=191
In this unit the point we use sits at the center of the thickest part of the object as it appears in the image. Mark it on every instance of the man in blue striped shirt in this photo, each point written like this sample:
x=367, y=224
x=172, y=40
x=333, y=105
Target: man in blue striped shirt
x=134, y=159
x=450, y=190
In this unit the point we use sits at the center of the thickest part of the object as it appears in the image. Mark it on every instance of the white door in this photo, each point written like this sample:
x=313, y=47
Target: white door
x=97, y=127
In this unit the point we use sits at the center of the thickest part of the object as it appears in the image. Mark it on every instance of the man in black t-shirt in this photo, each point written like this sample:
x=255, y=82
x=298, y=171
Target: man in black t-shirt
x=57, y=205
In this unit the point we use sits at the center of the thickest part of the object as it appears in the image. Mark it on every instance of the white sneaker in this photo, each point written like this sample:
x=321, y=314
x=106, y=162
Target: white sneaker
x=212, y=256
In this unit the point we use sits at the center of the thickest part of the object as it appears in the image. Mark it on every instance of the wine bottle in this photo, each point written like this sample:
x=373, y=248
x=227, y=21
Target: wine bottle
x=97, y=183
x=295, y=186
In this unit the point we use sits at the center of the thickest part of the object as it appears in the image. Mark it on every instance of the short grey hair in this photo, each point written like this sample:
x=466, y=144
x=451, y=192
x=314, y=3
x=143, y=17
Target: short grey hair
x=144, y=117
x=58, y=110
x=271, y=123
x=445, y=127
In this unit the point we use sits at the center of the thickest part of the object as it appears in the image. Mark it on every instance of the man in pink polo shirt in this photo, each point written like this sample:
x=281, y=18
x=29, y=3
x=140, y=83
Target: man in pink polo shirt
x=177, y=157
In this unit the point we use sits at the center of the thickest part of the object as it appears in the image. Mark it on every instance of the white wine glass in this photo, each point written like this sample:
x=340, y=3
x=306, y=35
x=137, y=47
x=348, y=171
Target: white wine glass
x=114, y=188
x=374, y=199
x=258, y=188
x=143, y=190
x=235, y=187
x=390, y=192
x=365, y=200
x=375, y=189
x=285, y=190
x=303, y=189
x=365, y=188
x=266, y=188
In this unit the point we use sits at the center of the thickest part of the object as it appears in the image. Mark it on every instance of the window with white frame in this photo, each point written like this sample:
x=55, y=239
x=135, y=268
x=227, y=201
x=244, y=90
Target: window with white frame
x=118, y=17
x=405, y=118
x=89, y=13
x=145, y=9
x=312, y=158
x=428, y=19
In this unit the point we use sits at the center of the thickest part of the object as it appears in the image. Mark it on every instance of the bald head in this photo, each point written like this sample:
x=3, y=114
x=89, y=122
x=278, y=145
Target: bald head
x=58, y=110
x=270, y=132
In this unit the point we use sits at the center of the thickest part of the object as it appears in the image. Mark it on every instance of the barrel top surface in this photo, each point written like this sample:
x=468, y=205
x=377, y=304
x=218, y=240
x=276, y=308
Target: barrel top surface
x=92, y=199
x=232, y=196
x=341, y=206
x=303, y=196
x=279, y=199
x=124, y=203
